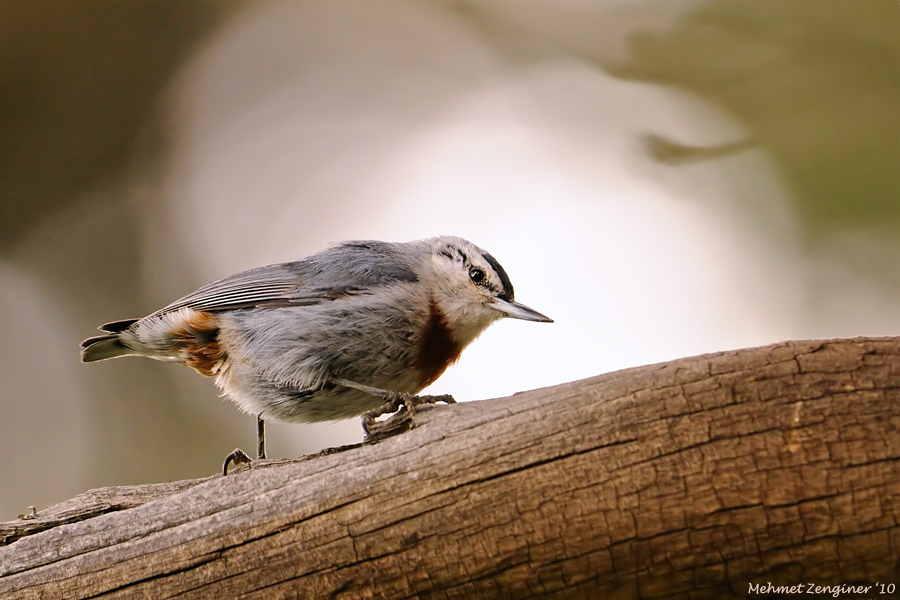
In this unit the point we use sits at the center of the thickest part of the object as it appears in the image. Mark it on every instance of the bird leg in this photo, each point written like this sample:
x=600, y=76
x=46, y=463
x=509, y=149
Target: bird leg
x=393, y=402
x=239, y=457
x=260, y=437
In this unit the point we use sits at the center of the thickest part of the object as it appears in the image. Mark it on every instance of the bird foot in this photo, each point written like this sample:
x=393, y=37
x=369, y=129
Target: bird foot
x=404, y=408
x=237, y=457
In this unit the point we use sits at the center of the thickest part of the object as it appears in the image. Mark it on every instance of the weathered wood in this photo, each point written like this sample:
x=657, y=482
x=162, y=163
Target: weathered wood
x=689, y=479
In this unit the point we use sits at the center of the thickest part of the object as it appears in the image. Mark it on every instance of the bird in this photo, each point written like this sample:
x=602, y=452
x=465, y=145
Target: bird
x=356, y=329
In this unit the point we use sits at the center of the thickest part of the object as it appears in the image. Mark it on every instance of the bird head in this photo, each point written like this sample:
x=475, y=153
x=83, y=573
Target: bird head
x=471, y=289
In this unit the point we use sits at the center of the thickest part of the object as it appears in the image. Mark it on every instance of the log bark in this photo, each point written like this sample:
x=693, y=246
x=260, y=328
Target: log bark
x=696, y=478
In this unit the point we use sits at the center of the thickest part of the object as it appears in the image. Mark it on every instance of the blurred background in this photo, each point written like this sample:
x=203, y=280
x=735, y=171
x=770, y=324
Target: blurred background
x=662, y=177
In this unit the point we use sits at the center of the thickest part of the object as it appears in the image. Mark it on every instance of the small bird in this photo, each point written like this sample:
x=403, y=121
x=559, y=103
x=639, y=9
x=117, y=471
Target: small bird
x=356, y=329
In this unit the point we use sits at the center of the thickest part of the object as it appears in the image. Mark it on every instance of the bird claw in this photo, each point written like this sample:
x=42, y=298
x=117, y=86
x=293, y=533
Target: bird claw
x=238, y=457
x=401, y=420
x=32, y=514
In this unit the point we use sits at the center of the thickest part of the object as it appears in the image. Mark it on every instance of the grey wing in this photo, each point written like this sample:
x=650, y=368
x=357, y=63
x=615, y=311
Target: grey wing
x=350, y=268
x=263, y=285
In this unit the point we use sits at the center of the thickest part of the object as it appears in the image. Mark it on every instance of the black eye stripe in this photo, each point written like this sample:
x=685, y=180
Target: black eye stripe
x=507, y=293
x=505, y=288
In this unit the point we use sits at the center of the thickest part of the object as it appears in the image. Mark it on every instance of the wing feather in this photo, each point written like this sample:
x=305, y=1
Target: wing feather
x=346, y=269
x=251, y=288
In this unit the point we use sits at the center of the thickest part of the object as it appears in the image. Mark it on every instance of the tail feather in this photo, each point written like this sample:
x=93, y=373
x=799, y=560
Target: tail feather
x=117, y=326
x=102, y=347
x=109, y=345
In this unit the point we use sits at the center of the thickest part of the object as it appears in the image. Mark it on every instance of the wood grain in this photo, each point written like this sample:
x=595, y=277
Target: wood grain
x=688, y=479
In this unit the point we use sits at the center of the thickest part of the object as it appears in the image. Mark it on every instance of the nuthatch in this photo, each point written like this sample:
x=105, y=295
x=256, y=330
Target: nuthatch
x=356, y=329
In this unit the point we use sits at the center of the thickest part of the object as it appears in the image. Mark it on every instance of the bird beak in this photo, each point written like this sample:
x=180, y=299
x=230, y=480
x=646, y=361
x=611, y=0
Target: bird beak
x=519, y=311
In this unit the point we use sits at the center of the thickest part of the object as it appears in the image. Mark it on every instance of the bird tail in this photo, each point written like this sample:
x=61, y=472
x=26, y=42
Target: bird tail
x=109, y=345
x=102, y=347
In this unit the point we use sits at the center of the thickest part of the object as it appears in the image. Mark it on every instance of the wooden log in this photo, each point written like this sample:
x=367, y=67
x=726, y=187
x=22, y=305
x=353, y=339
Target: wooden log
x=696, y=478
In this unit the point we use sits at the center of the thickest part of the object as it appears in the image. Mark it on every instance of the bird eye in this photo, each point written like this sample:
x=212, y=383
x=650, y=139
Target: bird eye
x=476, y=275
